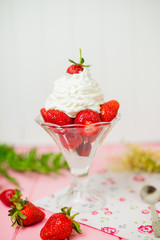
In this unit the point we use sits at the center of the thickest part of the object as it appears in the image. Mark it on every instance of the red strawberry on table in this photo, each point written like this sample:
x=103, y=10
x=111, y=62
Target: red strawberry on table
x=87, y=118
x=59, y=226
x=56, y=117
x=6, y=195
x=109, y=110
x=77, y=67
x=31, y=213
x=24, y=213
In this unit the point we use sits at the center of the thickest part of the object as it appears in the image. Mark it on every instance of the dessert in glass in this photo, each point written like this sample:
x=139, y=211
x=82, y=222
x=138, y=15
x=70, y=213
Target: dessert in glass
x=78, y=120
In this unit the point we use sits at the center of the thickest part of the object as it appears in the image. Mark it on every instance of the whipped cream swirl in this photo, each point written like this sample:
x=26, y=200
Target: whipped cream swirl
x=74, y=93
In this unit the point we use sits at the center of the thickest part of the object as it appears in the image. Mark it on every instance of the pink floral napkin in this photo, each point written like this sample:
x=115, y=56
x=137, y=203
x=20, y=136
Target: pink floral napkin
x=125, y=214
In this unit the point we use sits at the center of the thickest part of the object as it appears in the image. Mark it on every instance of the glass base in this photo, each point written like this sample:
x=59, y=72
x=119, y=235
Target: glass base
x=82, y=197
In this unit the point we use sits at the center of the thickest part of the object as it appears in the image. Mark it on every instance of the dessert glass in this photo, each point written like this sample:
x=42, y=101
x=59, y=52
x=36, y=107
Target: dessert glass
x=79, y=151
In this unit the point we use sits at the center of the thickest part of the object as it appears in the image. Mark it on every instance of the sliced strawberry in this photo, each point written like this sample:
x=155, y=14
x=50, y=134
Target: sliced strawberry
x=93, y=137
x=74, y=69
x=109, y=110
x=87, y=118
x=44, y=114
x=84, y=149
x=70, y=140
x=56, y=117
x=90, y=130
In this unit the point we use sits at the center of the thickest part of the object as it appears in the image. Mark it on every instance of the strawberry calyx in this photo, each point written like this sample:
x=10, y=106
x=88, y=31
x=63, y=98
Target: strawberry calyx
x=15, y=211
x=77, y=67
x=75, y=225
x=81, y=60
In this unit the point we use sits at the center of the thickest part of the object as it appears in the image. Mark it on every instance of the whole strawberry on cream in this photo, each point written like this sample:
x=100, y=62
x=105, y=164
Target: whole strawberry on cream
x=75, y=91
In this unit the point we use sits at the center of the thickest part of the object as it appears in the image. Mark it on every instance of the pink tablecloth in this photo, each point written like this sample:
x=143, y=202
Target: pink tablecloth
x=35, y=186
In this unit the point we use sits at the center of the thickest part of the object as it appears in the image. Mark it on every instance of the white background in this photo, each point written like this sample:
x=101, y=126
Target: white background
x=119, y=38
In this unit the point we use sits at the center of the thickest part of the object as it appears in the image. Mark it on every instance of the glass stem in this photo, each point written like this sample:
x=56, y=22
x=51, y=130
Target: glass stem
x=79, y=185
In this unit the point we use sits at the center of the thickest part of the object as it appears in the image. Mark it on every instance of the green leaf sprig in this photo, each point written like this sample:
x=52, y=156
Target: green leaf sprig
x=30, y=161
